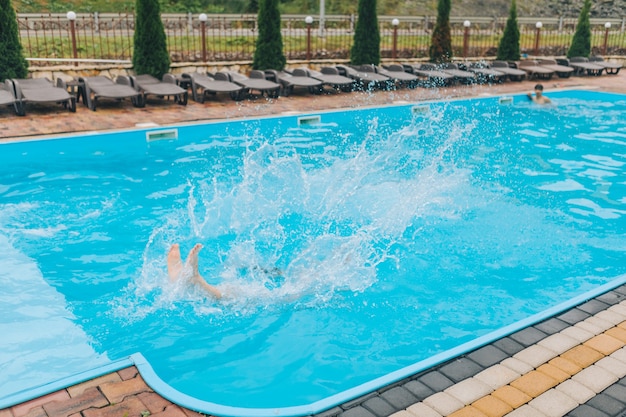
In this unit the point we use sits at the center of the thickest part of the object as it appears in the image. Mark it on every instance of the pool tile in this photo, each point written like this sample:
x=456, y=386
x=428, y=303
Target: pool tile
x=399, y=397
x=593, y=306
x=528, y=336
x=91, y=397
x=611, y=316
x=460, y=369
x=551, y=326
x=332, y=412
x=131, y=406
x=553, y=403
x=614, y=366
x=618, y=308
x=468, y=412
x=586, y=411
x=77, y=390
x=357, y=411
x=512, y=396
x=619, y=354
x=422, y=410
x=508, y=345
x=526, y=411
x=576, y=391
x=443, y=403
x=436, y=381
x=616, y=391
x=116, y=391
x=558, y=343
x=553, y=372
x=153, y=402
x=600, y=322
x=402, y=413
x=469, y=390
x=573, y=316
x=535, y=355
x=6, y=412
x=517, y=366
x=497, y=376
x=493, y=406
x=565, y=365
x=591, y=328
x=607, y=404
x=128, y=373
x=618, y=333
x=534, y=383
x=604, y=344
x=582, y=355
x=379, y=407
x=611, y=297
x=487, y=356
x=595, y=378
x=23, y=409
x=577, y=333
x=418, y=389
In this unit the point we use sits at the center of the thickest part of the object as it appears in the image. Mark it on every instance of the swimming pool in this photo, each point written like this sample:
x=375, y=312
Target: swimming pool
x=349, y=247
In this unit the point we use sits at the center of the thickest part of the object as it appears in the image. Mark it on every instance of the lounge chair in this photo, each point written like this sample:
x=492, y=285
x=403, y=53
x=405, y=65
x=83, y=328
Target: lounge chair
x=430, y=75
x=296, y=79
x=563, y=71
x=203, y=85
x=365, y=77
x=611, y=68
x=256, y=82
x=464, y=77
x=149, y=85
x=99, y=87
x=534, y=70
x=485, y=74
x=397, y=73
x=42, y=90
x=582, y=66
x=7, y=97
x=330, y=76
x=513, y=74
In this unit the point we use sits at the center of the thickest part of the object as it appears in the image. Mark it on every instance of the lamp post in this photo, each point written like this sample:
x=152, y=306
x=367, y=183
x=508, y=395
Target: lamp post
x=395, y=23
x=203, y=19
x=466, y=33
x=71, y=16
x=308, y=20
x=607, y=26
x=538, y=26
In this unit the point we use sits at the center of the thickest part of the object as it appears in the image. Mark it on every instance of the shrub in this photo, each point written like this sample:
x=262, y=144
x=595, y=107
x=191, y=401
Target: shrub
x=150, y=54
x=508, y=49
x=269, y=45
x=12, y=62
x=441, y=42
x=366, y=46
x=581, y=42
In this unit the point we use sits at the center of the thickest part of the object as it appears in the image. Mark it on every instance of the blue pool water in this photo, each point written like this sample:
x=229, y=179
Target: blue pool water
x=346, y=249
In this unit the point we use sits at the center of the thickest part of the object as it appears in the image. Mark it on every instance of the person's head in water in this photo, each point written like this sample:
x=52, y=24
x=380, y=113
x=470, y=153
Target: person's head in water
x=539, y=97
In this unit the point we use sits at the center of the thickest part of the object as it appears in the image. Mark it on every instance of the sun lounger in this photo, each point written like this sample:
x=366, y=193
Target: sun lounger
x=397, y=73
x=203, y=85
x=296, y=79
x=534, y=70
x=255, y=82
x=464, y=77
x=514, y=74
x=7, y=97
x=429, y=75
x=611, y=68
x=485, y=74
x=99, y=87
x=563, y=71
x=582, y=66
x=330, y=76
x=42, y=90
x=366, y=78
x=149, y=85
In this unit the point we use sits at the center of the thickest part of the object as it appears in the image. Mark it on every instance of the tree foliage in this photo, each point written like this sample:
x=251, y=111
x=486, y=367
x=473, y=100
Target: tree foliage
x=441, y=41
x=150, y=54
x=269, y=44
x=581, y=42
x=508, y=49
x=366, y=46
x=12, y=62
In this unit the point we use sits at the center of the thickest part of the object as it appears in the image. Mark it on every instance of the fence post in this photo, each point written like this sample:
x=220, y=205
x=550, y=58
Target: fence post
x=394, y=50
x=607, y=26
x=466, y=25
x=537, y=34
x=203, y=19
x=71, y=16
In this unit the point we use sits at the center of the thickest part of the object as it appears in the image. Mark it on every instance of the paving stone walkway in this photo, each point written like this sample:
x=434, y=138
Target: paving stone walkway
x=573, y=364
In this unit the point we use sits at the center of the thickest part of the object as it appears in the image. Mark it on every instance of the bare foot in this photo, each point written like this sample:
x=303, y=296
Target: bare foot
x=192, y=259
x=174, y=262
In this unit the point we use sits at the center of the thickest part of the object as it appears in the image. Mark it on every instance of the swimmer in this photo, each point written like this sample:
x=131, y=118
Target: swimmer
x=539, y=98
x=175, y=268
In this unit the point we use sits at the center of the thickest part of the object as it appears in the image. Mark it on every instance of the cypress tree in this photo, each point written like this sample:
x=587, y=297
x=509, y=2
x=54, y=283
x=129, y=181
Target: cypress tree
x=12, y=62
x=150, y=55
x=508, y=49
x=441, y=41
x=366, y=47
x=269, y=45
x=581, y=42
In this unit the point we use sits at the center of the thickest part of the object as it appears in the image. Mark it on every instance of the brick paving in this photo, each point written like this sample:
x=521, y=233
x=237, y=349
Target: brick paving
x=573, y=364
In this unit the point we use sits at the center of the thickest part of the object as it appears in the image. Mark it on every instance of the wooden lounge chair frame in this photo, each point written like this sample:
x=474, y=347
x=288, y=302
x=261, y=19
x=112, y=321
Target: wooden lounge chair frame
x=149, y=85
x=563, y=71
x=533, y=70
x=296, y=79
x=330, y=76
x=204, y=85
x=42, y=90
x=514, y=74
x=99, y=87
x=397, y=74
x=255, y=82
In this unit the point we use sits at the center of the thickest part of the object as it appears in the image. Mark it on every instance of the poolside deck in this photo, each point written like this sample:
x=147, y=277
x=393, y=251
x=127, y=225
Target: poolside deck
x=573, y=364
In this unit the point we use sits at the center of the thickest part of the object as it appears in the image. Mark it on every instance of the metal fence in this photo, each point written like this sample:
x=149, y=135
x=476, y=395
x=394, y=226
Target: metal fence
x=53, y=38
